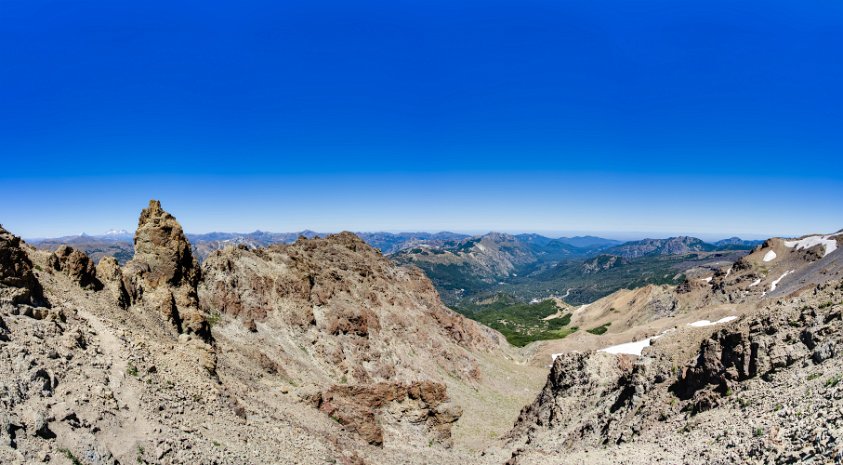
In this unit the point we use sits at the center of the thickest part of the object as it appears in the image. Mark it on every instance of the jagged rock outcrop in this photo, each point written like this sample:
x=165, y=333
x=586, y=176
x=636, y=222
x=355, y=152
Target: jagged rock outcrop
x=759, y=347
x=110, y=274
x=368, y=409
x=751, y=381
x=86, y=381
x=77, y=266
x=585, y=393
x=353, y=306
x=18, y=283
x=163, y=273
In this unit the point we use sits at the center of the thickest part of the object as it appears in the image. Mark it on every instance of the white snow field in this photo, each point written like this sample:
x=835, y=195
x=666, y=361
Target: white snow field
x=828, y=242
x=756, y=282
x=701, y=323
x=770, y=256
x=633, y=348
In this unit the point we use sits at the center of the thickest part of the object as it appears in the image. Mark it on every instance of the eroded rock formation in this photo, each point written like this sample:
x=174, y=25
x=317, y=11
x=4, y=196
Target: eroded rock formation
x=342, y=297
x=18, y=283
x=365, y=409
x=110, y=274
x=76, y=265
x=163, y=273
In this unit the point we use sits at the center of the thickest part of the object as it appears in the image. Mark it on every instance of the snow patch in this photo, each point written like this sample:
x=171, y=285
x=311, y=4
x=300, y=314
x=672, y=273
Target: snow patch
x=702, y=323
x=708, y=279
x=776, y=282
x=635, y=347
x=631, y=348
x=756, y=282
x=480, y=247
x=828, y=242
x=770, y=256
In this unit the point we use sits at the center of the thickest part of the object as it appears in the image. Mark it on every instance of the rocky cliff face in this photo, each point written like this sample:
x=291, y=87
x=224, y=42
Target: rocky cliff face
x=354, y=308
x=368, y=342
x=18, y=283
x=163, y=275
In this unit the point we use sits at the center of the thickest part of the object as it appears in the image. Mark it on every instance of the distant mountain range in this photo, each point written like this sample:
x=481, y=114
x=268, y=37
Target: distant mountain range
x=451, y=259
x=652, y=247
x=528, y=266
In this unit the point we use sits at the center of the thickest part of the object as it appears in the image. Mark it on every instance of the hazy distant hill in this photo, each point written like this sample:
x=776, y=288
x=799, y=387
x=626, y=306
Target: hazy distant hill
x=477, y=264
x=671, y=246
x=392, y=242
x=589, y=241
x=737, y=243
x=117, y=244
x=529, y=266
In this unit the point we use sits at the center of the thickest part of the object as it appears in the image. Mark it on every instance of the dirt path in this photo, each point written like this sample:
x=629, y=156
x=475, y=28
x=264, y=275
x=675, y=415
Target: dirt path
x=134, y=427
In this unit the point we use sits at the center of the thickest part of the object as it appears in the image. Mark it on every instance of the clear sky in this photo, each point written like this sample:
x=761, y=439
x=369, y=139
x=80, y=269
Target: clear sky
x=715, y=117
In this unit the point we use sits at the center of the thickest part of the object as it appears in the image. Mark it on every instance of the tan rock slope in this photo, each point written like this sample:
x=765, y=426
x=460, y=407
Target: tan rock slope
x=342, y=322
x=318, y=352
x=363, y=318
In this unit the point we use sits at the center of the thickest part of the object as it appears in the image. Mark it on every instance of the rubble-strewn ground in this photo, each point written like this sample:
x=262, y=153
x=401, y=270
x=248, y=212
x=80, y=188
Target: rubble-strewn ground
x=762, y=389
x=324, y=351
x=333, y=355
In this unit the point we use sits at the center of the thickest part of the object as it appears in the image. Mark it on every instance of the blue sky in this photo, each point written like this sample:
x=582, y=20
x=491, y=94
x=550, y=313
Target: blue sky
x=662, y=116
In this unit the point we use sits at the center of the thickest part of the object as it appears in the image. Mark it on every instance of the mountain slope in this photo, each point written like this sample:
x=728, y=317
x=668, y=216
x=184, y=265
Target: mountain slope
x=321, y=351
x=464, y=268
x=759, y=384
x=652, y=247
x=118, y=246
x=589, y=242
